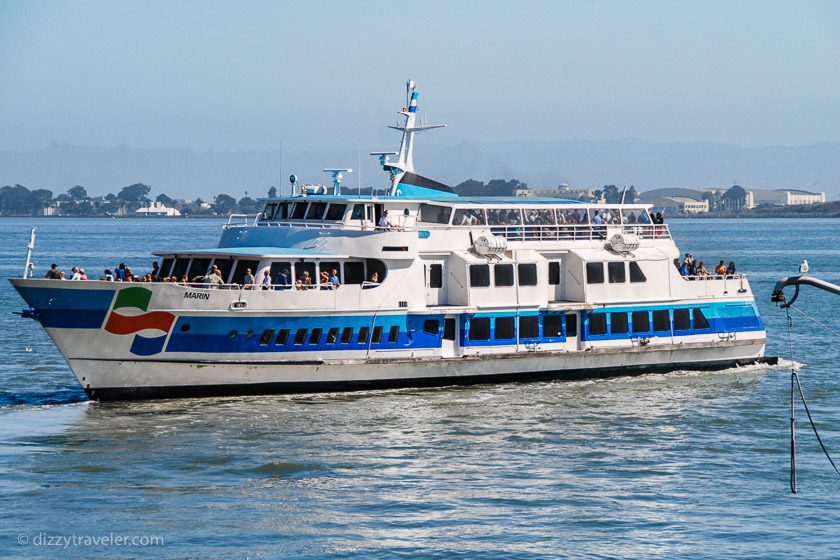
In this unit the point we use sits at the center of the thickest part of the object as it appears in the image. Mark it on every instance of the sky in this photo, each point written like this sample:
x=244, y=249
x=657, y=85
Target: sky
x=231, y=76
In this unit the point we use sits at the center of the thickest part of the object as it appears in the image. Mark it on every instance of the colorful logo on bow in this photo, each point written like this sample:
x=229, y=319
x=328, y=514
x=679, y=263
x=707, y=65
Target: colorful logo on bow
x=117, y=323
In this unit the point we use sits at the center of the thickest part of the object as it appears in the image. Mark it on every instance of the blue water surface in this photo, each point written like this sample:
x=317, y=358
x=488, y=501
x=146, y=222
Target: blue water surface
x=683, y=465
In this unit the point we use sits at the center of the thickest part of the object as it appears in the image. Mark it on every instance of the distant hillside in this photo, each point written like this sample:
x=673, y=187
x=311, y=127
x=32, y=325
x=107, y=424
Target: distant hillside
x=647, y=165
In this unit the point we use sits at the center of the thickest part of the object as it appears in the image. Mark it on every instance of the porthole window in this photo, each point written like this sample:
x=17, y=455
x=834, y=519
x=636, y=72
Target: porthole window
x=233, y=334
x=185, y=327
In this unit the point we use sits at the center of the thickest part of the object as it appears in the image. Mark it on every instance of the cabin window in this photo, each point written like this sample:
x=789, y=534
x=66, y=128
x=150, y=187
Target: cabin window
x=165, y=266
x=335, y=212
x=661, y=321
x=277, y=268
x=597, y=323
x=282, y=337
x=527, y=274
x=363, y=335
x=347, y=335
x=358, y=212
x=393, y=334
x=241, y=267
x=681, y=320
x=505, y=328
x=468, y=217
x=594, y=273
x=504, y=217
x=479, y=275
x=554, y=273
x=301, y=267
x=267, y=337
x=636, y=274
x=431, y=326
x=374, y=265
x=480, y=328
x=529, y=327
x=282, y=211
x=315, y=337
x=198, y=267
x=224, y=267
x=571, y=216
x=433, y=214
x=538, y=217
x=316, y=210
x=332, y=335
x=435, y=275
x=618, y=323
x=700, y=321
x=299, y=210
x=328, y=267
x=354, y=273
x=300, y=336
x=503, y=275
x=377, y=335
x=616, y=272
x=571, y=325
x=641, y=321
x=552, y=325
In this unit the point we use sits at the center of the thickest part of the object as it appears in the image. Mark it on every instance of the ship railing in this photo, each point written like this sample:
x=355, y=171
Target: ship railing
x=716, y=284
x=577, y=232
x=243, y=220
x=271, y=287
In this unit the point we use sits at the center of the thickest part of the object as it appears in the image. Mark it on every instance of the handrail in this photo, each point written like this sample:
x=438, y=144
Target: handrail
x=245, y=218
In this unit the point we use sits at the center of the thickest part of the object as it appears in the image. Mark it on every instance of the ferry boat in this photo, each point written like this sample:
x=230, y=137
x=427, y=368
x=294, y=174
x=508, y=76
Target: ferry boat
x=422, y=288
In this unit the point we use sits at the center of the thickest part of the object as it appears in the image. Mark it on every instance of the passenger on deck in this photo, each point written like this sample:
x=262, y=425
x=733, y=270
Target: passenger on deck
x=184, y=279
x=248, y=280
x=324, y=280
x=597, y=219
x=730, y=270
x=76, y=275
x=374, y=278
x=684, y=270
x=385, y=221
x=702, y=270
x=53, y=273
x=283, y=279
x=720, y=269
x=266, y=280
x=334, y=280
x=82, y=275
x=214, y=279
x=120, y=275
x=306, y=280
x=109, y=276
x=129, y=276
x=155, y=272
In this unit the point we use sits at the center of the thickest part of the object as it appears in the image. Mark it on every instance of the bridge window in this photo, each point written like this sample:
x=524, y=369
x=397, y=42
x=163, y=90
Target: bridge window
x=480, y=328
x=503, y=275
x=700, y=321
x=552, y=326
x=299, y=210
x=316, y=210
x=180, y=268
x=641, y=321
x=661, y=321
x=165, y=266
x=636, y=274
x=505, y=328
x=335, y=212
x=358, y=212
x=594, y=273
x=434, y=214
x=479, y=275
x=554, y=273
x=527, y=274
x=597, y=323
x=616, y=272
x=529, y=327
x=681, y=320
x=618, y=323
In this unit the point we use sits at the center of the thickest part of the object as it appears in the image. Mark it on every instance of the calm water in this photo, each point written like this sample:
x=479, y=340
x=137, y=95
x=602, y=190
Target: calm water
x=683, y=465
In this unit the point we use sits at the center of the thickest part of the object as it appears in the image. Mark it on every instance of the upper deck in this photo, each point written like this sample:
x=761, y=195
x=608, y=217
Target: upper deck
x=516, y=219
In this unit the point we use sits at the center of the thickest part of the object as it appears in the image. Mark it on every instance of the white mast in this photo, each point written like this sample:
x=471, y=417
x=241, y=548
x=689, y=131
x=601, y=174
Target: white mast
x=405, y=156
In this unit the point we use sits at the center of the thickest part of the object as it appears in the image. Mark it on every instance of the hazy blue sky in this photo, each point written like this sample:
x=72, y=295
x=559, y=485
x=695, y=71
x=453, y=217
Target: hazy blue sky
x=327, y=75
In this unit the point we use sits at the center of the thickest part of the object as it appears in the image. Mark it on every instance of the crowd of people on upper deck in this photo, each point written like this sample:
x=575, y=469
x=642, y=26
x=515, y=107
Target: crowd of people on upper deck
x=691, y=268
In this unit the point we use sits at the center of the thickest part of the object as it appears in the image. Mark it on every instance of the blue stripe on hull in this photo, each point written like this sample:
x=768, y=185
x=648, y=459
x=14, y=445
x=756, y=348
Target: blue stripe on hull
x=68, y=308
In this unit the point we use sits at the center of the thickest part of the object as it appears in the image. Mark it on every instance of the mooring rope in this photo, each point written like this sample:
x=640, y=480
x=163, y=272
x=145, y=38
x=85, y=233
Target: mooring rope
x=795, y=383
